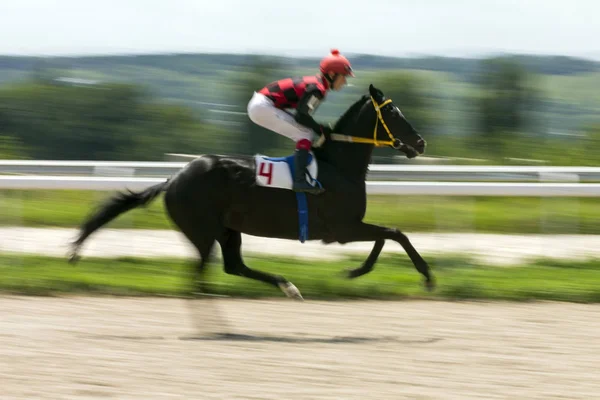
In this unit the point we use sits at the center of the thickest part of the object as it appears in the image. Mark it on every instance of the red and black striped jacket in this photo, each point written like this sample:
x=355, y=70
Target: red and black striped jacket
x=286, y=93
x=303, y=94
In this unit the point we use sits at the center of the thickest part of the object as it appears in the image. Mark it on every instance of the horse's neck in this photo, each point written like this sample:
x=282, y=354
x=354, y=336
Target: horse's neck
x=349, y=159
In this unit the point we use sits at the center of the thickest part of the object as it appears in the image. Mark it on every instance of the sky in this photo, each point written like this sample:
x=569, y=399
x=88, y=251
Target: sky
x=466, y=28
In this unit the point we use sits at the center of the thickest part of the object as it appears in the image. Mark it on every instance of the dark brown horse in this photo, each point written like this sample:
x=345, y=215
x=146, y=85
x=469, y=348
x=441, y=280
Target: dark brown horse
x=216, y=198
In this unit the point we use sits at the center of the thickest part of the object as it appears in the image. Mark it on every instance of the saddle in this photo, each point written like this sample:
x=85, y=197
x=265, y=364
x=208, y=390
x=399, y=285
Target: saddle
x=278, y=173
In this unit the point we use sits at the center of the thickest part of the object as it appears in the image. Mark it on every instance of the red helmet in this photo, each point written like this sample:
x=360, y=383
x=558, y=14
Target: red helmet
x=336, y=63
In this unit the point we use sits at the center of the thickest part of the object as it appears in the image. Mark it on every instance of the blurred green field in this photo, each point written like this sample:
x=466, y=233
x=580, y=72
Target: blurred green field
x=393, y=278
x=410, y=213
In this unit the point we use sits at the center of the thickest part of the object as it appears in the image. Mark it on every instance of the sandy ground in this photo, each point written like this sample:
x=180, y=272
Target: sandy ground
x=97, y=348
x=487, y=248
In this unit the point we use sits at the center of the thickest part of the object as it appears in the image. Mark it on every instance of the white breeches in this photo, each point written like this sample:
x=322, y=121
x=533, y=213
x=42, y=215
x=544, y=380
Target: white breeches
x=262, y=112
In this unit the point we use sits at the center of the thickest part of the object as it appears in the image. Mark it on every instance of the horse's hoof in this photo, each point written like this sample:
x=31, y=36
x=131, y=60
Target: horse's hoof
x=73, y=254
x=291, y=291
x=347, y=273
x=352, y=273
x=73, y=258
x=429, y=284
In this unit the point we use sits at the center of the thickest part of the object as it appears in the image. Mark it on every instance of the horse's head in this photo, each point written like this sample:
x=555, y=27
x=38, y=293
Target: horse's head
x=391, y=128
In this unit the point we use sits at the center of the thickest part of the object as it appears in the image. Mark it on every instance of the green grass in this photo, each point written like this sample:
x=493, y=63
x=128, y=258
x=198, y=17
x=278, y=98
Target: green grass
x=410, y=213
x=393, y=278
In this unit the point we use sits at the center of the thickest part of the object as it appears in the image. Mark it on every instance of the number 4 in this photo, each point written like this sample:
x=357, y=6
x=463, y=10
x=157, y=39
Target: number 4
x=267, y=174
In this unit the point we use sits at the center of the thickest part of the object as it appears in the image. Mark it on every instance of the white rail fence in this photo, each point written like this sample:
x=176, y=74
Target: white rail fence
x=546, y=189
x=378, y=172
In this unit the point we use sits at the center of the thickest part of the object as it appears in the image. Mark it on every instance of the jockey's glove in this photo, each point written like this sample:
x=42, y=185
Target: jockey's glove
x=326, y=130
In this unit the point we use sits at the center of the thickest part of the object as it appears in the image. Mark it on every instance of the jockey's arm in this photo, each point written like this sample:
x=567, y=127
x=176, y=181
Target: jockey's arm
x=307, y=106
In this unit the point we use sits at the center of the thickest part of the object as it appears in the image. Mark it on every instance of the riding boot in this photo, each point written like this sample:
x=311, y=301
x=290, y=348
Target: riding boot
x=300, y=165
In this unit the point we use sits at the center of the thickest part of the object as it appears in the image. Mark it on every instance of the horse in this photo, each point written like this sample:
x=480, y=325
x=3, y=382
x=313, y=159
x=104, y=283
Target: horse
x=216, y=198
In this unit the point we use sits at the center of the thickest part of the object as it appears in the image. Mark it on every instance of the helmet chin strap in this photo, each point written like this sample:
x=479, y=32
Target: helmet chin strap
x=330, y=79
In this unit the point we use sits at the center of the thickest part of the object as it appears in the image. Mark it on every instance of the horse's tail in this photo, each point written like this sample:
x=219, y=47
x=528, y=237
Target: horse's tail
x=111, y=209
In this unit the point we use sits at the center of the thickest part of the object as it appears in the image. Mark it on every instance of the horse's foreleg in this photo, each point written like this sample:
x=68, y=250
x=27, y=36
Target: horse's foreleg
x=366, y=232
x=367, y=266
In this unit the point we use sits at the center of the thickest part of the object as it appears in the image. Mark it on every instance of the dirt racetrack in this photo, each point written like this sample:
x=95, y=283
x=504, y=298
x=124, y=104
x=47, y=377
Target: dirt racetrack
x=97, y=348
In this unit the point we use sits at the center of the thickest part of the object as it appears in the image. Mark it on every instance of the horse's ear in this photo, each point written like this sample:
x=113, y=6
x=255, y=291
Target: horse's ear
x=375, y=93
x=372, y=90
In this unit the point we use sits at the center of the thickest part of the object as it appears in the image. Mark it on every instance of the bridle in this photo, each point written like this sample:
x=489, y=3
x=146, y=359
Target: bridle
x=393, y=142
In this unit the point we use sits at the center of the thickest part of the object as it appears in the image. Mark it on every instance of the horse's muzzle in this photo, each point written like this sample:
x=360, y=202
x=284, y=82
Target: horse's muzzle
x=420, y=146
x=409, y=151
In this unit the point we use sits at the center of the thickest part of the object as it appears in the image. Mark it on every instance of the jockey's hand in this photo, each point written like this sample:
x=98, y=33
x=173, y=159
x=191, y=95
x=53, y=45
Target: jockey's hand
x=326, y=130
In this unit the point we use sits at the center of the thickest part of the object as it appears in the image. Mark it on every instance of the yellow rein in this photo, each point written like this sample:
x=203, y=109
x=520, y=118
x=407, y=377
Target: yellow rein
x=394, y=142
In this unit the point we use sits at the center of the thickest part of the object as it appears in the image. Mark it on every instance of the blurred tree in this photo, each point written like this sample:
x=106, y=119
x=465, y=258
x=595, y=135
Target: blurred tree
x=503, y=105
x=253, y=138
x=10, y=148
x=100, y=121
x=583, y=150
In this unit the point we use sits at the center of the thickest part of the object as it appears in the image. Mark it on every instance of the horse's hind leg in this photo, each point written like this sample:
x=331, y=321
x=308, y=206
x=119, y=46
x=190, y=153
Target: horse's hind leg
x=205, y=312
x=204, y=246
x=199, y=227
x=203, y=239
x=231, y=244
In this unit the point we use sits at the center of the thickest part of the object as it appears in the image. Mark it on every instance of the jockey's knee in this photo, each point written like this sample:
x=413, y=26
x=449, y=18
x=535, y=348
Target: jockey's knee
x=251, y=110
x=303, y=144
x=254, y=109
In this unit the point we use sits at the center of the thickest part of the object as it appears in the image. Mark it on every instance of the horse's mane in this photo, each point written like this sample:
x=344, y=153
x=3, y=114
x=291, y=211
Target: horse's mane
x=350, y=113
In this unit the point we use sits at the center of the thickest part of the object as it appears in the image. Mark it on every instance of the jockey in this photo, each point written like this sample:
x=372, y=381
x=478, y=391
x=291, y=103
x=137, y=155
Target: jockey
x=267, y=109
